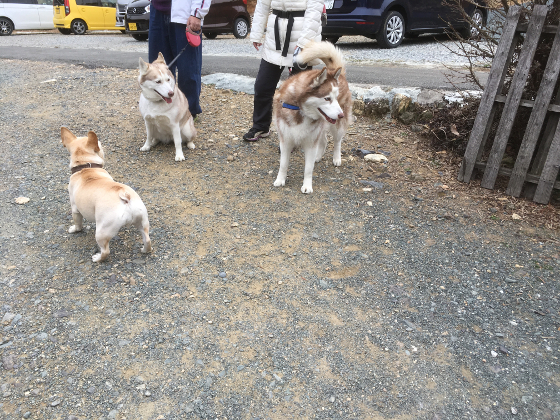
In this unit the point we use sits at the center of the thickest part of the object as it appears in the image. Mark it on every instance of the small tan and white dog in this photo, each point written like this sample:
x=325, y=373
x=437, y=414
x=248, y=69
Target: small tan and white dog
x=307, y=105
x=164, y=107
x=95, y=196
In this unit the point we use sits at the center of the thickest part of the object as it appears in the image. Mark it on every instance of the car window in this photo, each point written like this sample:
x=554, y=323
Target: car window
x=109, y=3
x=87, y=3
x=20, y=1
x=45, y=2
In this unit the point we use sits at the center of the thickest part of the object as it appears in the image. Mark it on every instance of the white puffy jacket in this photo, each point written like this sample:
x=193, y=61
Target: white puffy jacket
x=181, y=10
x=305, y=28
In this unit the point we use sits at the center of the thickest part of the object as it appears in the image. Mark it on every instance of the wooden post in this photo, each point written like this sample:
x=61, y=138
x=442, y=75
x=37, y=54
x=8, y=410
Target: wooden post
x=550, y=171
x=494, y=85
x=536, y=120
x=514, y=95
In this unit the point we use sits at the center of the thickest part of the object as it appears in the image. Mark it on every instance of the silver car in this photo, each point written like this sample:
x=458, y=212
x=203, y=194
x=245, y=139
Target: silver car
x=121, y=12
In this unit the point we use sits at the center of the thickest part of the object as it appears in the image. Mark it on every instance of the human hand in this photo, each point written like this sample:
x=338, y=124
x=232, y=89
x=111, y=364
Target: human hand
x=257, y=45
x=193, y=23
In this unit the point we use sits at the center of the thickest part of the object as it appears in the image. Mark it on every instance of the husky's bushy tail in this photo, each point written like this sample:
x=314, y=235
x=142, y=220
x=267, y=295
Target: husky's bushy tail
x=324, y=51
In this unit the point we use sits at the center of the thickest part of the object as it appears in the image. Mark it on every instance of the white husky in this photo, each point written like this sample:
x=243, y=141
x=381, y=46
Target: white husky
x=164, y=107
x=308, y=104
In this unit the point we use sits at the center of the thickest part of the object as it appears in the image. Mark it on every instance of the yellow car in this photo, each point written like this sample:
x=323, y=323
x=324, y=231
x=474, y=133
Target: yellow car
x=77, y=16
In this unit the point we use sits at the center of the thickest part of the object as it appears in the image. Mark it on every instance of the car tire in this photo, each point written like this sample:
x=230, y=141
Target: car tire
x=65, y=31
x=392, y=30
x=6, y=26
x=240, y=28
x=331, y=39
x=78, y=26
x=472, y=32
x=140, y=37
x=210, y=35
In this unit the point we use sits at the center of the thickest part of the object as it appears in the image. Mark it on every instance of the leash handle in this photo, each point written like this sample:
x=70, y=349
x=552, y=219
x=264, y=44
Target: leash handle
x=189, y=30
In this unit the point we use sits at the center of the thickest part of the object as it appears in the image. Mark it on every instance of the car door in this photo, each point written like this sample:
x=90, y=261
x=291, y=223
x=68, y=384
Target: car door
x=217, y=16
x=454, y=11
x=91, y=12
x=109, y=13
x=425, y=14
x=23, y=13
x=45, y=9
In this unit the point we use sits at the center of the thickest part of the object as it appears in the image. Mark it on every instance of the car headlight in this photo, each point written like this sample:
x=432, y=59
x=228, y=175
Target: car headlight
x=147, y=9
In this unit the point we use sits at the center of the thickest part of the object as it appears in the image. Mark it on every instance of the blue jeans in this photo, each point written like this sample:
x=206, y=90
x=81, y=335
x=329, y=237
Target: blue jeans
x=169, y=38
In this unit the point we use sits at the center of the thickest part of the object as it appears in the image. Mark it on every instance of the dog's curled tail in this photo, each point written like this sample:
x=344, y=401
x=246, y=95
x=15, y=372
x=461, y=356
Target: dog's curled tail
x=124, y=196
x=324, y=51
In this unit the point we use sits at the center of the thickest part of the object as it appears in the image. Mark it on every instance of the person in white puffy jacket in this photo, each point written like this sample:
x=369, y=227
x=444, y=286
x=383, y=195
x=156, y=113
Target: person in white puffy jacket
x=290, y=25
x=168, y=22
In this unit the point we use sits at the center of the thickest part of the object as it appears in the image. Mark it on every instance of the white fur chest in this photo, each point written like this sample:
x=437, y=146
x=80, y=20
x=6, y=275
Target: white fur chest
x=160, y=115
x=304, y=134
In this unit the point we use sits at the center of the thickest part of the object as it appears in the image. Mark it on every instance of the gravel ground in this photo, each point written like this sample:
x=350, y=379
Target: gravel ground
x=416, y=298
x=423, y=51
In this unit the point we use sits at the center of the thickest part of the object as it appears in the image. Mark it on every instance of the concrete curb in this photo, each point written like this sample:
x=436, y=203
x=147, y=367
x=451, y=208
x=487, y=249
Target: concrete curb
x=366, y=97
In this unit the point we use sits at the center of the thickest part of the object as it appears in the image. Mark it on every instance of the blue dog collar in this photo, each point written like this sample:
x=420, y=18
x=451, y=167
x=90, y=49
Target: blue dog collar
x=285, y=105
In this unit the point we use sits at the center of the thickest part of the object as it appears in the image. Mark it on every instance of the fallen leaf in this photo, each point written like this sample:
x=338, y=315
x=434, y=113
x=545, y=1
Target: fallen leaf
x=398, y=140
x=235, y=224
x=454, y=130
x=515, y=216
x=22, y=200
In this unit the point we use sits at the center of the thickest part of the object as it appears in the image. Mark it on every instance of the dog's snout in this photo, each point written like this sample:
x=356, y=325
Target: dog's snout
x=341, y=116
x=171, y=93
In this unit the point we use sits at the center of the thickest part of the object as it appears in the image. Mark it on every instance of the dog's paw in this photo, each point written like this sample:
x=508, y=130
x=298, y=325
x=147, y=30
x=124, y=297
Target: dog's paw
x=145, y=148
x=146, y=248
x=318, y=159
x=306, y=189
x=73, y=229
x=337, y=161
x=97, y=257
x=279, y=182
x=191, y=145
x=179, y=157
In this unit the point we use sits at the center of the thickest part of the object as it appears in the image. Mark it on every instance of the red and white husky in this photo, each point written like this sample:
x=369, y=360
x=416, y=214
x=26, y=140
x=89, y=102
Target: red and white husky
x=164, y=107
x=307, y=105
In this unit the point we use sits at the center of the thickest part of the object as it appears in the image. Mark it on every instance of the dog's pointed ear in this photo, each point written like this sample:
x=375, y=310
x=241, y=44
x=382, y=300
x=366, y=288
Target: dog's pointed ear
x=337, y=73
x=320, y=79
x=67, y=136
x=143, y=66
x=92, y=141
x=160, y=57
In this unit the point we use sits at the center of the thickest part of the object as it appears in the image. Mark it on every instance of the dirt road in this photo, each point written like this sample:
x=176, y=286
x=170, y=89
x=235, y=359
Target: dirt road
x=420, y=298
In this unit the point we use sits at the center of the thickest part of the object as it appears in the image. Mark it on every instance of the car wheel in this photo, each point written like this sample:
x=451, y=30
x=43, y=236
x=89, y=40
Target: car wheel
x=240, y=28
x=78, y=26
x=210, y=35
x=478, y=20
x=65, y=31
x=392, y=29
x=140, y=37
x=331, y=39
x=6, y=26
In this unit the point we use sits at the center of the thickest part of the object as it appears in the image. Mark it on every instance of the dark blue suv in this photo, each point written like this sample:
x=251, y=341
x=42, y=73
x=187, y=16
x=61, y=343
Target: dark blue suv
x=389, y=21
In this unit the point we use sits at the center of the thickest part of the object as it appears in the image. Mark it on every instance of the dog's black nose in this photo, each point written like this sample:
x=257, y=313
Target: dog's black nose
x=171, y=93
x=340, y=116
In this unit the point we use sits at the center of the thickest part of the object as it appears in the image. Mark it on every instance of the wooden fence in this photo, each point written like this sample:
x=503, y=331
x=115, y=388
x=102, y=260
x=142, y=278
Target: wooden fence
x=538, y=169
